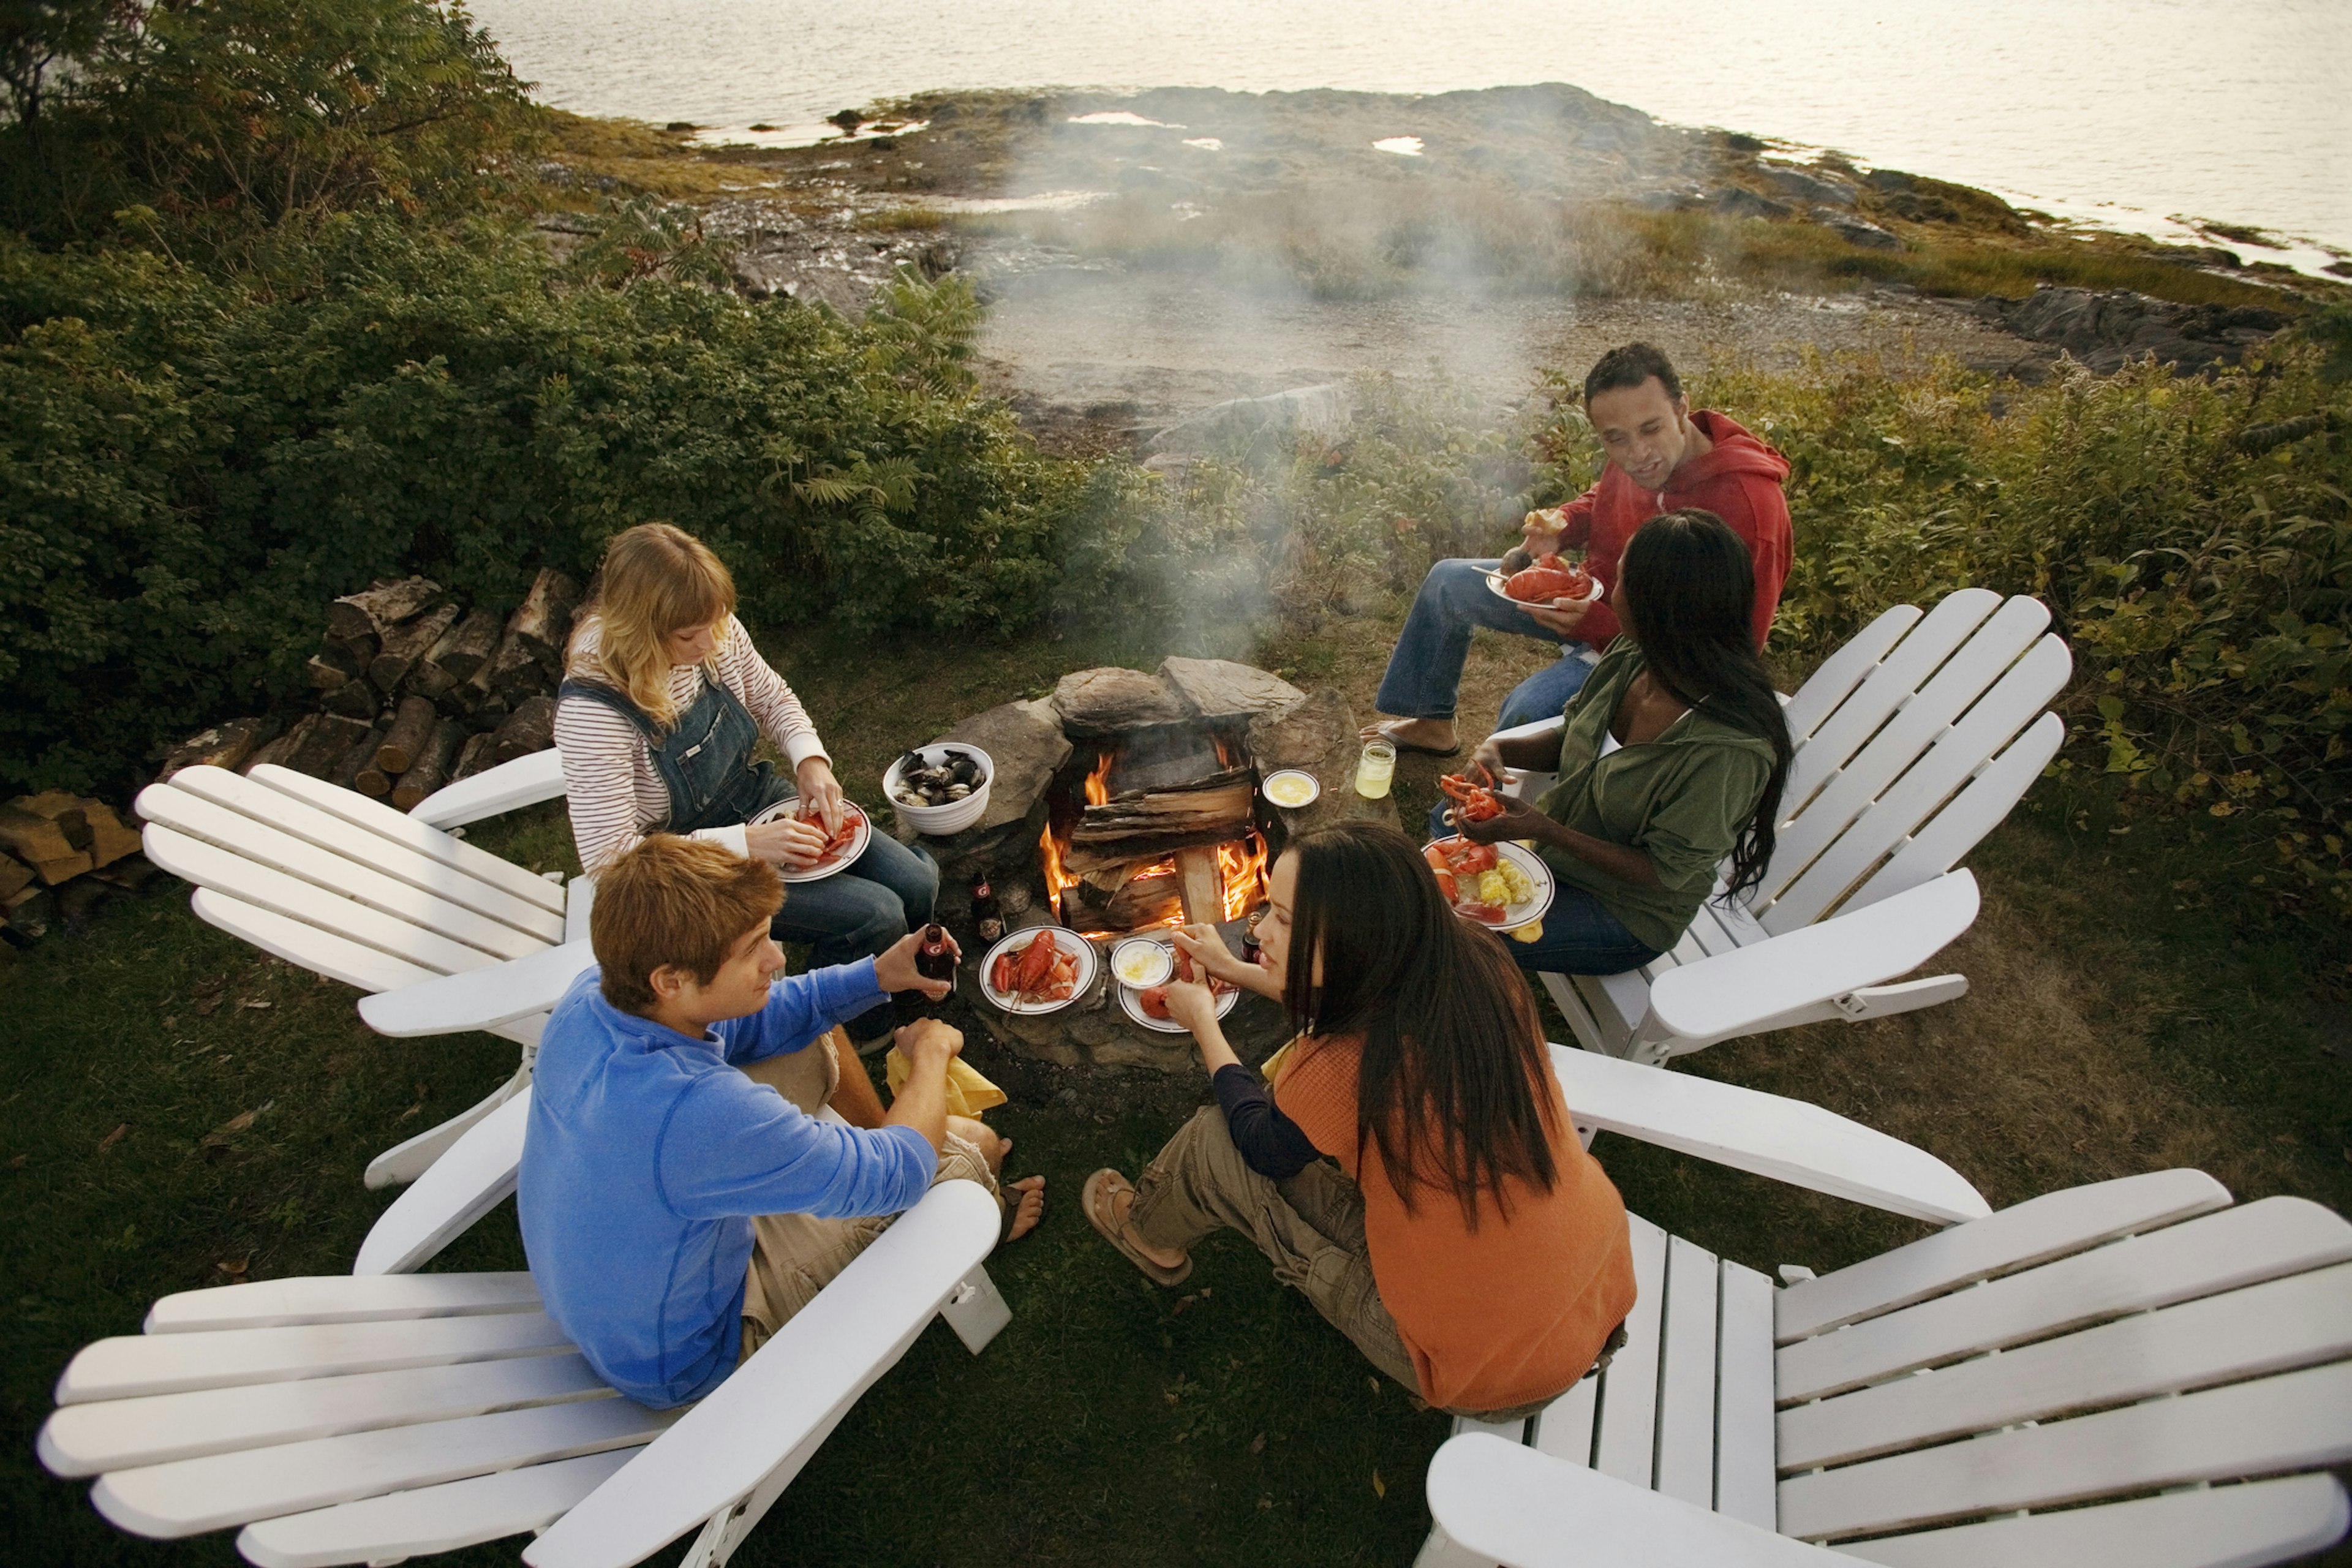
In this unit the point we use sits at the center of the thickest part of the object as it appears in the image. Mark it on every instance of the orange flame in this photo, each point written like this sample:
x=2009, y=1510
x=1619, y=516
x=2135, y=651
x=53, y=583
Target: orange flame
x=1098, y=783
x=1241, y=867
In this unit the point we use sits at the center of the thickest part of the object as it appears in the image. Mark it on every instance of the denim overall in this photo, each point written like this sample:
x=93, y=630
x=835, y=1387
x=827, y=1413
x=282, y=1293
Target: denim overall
x=705, y=764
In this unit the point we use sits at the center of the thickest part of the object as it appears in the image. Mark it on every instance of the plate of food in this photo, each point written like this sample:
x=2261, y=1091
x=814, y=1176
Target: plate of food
x=1292, y=787
x=840, y=850
x=1041, y=970
x=1148, y=1005
x=1503, y=885
x=1544, y=580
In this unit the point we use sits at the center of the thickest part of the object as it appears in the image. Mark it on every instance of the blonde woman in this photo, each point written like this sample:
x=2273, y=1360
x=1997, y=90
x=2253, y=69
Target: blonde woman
x=663, y=701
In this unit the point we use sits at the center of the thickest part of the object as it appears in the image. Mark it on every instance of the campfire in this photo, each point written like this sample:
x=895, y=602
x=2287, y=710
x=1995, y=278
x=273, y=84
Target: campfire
x=1157, y=828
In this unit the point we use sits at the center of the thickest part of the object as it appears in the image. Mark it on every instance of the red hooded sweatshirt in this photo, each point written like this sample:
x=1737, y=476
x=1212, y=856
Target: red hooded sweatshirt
x=1739, y=481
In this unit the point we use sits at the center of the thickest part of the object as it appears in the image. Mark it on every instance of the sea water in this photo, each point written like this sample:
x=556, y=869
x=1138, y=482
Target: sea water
x=2134, y=113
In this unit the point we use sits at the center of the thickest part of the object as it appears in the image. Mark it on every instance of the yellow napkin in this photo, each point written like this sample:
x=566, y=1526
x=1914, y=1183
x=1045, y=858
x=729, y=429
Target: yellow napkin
x=969, y=1093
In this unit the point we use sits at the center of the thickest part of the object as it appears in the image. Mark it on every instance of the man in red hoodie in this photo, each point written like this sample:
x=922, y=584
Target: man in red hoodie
x=1661, y=456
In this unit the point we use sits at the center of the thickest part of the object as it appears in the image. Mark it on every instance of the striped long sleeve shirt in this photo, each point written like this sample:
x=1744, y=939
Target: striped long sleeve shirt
x=617, y=796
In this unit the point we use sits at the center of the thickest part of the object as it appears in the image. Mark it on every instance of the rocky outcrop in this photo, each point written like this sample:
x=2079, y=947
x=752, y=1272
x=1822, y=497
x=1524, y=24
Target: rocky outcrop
x=2106, y=330
x=1220, y=688
x=1250, y=423
x=1854, y=231
x=1110, y=700
x=1797, y=185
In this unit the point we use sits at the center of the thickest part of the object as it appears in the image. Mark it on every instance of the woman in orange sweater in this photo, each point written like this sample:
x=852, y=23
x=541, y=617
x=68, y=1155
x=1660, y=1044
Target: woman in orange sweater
x=1414, y=1172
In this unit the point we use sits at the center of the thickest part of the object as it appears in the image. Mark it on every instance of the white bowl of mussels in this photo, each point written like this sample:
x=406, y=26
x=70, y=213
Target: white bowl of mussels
x=940, y=788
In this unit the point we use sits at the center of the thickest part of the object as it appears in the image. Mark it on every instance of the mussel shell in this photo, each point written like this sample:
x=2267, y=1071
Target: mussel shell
x=958, y=791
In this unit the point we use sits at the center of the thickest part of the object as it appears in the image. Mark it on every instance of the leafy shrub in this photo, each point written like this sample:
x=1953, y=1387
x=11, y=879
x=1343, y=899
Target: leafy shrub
x=190, y=468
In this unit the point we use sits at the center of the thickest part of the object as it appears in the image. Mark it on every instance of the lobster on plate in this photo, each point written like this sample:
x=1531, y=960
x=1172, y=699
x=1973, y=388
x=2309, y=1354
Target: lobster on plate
x=1154, y=999
x=841, y=838
x=1041, y=972
x=1550, y=579
x=1455, y=860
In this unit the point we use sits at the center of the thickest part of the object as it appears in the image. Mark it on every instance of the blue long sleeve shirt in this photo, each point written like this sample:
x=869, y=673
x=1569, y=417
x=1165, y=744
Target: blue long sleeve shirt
x=646, y=1155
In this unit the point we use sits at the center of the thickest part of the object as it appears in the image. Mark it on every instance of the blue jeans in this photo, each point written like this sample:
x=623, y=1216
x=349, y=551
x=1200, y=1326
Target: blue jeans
x=1424, y=673
x=859, y=911
x=1582, y=937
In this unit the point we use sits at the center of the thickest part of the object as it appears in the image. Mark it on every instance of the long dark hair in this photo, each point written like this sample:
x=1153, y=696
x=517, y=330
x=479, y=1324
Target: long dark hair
x=1455, y=1080
x=1689, y=598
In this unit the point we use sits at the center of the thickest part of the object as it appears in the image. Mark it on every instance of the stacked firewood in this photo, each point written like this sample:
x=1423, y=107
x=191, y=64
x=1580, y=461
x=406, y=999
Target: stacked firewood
x=414, y=690
x=60, y=855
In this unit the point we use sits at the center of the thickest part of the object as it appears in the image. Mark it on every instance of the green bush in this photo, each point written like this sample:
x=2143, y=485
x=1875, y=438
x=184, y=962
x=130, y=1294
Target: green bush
x=190, y=468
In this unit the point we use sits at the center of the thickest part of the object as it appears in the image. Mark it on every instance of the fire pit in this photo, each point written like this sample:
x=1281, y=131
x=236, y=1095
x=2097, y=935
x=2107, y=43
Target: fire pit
x=1128, y=801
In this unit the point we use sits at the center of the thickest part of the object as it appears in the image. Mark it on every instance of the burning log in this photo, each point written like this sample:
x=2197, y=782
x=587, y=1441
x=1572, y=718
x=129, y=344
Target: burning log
x=1204, y=884
x=1130, y=827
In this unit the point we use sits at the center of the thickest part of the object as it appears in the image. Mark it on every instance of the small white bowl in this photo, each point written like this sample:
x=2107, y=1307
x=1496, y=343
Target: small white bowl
x=956, y=816
x=1154, y=960
x=1314, y=788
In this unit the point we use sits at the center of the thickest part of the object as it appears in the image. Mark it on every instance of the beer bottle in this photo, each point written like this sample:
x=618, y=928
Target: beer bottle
x=933, y=960
x=987, y=918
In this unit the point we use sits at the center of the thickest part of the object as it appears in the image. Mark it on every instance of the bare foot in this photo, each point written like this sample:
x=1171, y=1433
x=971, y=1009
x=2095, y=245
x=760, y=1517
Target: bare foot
x=1414, y=734
x=1122, y=1202
x=1027, y=1198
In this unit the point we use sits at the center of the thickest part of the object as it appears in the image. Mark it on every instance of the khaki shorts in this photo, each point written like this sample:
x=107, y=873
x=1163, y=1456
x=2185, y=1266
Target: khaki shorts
x=794, y=1256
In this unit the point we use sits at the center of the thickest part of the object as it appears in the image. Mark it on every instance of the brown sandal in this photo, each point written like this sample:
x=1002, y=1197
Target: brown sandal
x=1101, y=1187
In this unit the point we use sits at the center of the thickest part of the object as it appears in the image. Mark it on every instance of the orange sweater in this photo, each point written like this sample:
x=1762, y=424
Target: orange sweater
x=1506, y=1315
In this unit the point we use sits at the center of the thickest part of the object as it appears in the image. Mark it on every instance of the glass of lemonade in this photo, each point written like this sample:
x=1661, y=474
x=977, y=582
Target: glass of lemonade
x=1375, y=768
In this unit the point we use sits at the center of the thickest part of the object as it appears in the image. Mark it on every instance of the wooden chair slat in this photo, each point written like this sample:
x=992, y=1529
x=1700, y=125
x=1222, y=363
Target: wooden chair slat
x=323, y=953
x=1901, y=673
x=1962, y=825
x=2035, y=1231
x=130, y=1367
x=2214, y=1527
x=187, y=1496
x=250, y=881
x=430, y=1518
x=1564, y=1429
x=241, y=836
x=411, y=863
x=2246, y=1245
x=2278, y=1326
x=124, y=1434
x=382, y=820
x=1843, y=670
x=2298, y=1420
x=342, y=1298
x=1687, y=1382
x=1626, y=1446
x=1744, y=1478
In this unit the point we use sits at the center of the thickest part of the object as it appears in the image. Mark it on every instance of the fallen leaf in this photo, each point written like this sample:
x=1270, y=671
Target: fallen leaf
x=1379, y=1487
x=1257, y=1444
x=1183, y=1302
x=1206, y=1292
x=233, y=1267
x=1265, y=1503
x=170, y=1024
x=252, y=1002
x=233, y=1126
x=112, y=1139
x=18, y=1162
x=1375, y=1384
x=407, y=1113
x=207, y=1006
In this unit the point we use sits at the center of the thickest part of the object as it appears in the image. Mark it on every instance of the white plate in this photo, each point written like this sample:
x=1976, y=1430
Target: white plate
x=826, y=867
x=1157, y=959
x=1018, y=942
x=1528, y=909
x=1130, y=1002
x=1314, y=787
x=1495, y=581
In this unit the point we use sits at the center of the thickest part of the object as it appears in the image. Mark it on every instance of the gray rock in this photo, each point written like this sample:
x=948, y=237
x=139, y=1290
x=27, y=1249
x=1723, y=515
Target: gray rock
x=1108, y=701
x=1251, y=424
x=2106, y=330
x=1318, y=734
x=1854, y=231
x=1024, y=740
x=1735, y=201
x=1220, y=688
x=1799, y=185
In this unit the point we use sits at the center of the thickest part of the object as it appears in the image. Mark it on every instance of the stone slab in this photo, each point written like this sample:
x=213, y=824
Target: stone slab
x=1320, y=735
x=1096, y=1030
x=1220, y=688
x=1024, y=740
x=1110, y=700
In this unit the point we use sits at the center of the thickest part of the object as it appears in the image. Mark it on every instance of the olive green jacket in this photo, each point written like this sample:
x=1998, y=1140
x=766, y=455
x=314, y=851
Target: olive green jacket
x=1681, y=799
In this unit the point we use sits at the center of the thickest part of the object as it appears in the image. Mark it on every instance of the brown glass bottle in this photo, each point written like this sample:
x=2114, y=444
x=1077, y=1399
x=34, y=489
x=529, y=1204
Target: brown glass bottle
x=987, y=915
x=935, y=959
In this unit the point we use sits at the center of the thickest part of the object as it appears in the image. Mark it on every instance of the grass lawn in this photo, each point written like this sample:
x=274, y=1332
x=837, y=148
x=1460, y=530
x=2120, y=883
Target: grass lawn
x=183, y=1111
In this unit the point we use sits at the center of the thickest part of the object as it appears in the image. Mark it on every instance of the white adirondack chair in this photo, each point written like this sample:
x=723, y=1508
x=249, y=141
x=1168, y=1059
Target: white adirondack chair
x=2130, y=1374
x=370, y=1418
x=327, y=879
x=1913, y=742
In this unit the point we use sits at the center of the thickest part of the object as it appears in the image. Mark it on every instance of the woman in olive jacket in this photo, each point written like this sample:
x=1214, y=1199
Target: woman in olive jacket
x=1671, y=761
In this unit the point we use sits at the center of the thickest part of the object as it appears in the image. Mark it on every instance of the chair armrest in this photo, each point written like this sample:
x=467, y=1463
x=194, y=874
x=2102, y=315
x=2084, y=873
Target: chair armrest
x=1551, y=726
x=478, y=998
x=472, y=1177
x=1787, y=1140
x=1507, y=1503
x=778, y=1406
x=526, y=781
x=1739, y=993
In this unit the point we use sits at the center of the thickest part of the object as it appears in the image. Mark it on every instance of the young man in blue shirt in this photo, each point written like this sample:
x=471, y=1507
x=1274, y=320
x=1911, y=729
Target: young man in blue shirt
x=676, y=1208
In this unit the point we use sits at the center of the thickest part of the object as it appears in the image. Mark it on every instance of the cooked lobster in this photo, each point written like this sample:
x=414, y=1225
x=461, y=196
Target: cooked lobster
x=1040, y=972
x=1472, y=803
x=841, y=838
x=1547, y=580
x=1154, y=999
x=1453, y=860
